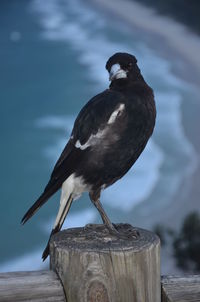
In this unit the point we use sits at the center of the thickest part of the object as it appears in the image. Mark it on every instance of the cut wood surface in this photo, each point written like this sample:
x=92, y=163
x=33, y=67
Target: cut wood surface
x=97, y=267
x=37, y=286
x=181, y=289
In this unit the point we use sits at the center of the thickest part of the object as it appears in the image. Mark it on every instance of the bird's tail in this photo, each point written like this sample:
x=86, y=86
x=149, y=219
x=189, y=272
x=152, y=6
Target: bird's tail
x=65, y=204
x=48, y=192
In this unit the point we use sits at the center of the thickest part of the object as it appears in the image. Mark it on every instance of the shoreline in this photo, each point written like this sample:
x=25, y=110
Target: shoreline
x=184, y=54
x=176, y=37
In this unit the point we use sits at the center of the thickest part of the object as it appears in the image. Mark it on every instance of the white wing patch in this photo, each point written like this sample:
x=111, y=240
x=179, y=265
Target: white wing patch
x=91, y=141
x=95, y=138
x=116, y=113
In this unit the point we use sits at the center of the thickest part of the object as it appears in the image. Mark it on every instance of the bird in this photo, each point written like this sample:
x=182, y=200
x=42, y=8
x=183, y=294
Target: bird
x=109, y=134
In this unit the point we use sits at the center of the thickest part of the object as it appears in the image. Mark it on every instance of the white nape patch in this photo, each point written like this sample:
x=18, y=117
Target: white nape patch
x=116, y=72
x=116, y=113
x=91, y=141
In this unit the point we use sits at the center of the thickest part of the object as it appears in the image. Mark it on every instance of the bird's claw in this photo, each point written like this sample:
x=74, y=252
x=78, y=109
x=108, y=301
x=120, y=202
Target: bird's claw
x=129, y=232
x=113, y=230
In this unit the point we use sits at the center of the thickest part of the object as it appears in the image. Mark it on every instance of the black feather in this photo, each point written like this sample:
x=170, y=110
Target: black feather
x=65, y=165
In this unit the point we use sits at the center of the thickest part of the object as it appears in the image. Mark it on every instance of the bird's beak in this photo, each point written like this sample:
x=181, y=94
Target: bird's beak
x=116, y=72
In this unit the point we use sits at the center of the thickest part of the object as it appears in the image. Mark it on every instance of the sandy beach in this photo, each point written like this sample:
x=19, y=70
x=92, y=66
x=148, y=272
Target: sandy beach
x=176, y=42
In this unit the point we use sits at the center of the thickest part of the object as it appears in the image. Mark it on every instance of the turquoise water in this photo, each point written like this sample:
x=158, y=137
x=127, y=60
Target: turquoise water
x=52, y=60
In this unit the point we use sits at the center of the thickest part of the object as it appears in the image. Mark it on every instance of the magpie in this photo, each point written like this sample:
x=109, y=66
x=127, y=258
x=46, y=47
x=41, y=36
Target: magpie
x=108, y=136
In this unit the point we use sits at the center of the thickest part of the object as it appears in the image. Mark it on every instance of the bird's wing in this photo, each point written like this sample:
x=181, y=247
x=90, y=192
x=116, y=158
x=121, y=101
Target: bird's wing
x=94, y=115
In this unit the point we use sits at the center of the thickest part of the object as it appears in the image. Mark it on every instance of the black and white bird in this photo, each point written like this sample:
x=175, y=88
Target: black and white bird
x=108, y=136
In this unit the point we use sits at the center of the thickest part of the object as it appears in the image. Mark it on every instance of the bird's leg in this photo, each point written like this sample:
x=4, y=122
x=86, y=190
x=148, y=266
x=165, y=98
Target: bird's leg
x=110, y=226
x=104, y=216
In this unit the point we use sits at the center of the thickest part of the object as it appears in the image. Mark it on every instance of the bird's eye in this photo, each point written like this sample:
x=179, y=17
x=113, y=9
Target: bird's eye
x=130, y=64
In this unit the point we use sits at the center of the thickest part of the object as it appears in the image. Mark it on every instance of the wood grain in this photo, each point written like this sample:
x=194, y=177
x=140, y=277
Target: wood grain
x=37, y=286
x=181, y=289
x=97, y=267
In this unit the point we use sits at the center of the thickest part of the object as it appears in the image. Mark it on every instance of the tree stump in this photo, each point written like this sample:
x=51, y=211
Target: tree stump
x=95, y=266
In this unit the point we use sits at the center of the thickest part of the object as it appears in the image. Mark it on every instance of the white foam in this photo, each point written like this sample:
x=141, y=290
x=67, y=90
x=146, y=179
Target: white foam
x=83, y=32
x=62, y=123
x=55, y=122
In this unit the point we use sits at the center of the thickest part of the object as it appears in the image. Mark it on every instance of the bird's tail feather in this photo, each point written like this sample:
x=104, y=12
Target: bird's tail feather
x=65, y=204
x=48, y=192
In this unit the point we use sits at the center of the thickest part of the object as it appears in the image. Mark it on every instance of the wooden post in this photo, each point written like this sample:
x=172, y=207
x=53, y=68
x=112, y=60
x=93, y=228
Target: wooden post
x=96, y=267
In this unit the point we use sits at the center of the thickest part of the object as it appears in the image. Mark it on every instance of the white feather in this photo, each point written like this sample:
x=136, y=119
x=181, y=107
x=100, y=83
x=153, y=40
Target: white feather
x=91, y=141
x=73, y=186
x=116, y=113
x=95, y=138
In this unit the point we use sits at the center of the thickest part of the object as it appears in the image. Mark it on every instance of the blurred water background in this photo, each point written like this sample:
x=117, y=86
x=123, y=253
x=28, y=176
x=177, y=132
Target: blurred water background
x=52, y=61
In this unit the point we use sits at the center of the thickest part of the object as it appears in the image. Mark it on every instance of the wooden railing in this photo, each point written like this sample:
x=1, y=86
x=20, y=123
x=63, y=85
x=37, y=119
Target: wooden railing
x=180, y=289
x=89, y=265
x=34, y=286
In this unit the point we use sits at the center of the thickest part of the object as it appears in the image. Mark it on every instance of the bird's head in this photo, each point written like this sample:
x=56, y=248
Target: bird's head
x=122, y=65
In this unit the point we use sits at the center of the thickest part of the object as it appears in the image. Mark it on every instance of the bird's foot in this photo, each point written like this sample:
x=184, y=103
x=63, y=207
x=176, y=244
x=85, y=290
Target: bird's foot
x=123, y=231
x=119, y=231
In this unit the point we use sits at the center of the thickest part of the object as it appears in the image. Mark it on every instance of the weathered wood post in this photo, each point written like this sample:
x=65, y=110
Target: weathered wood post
x=97, y=267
